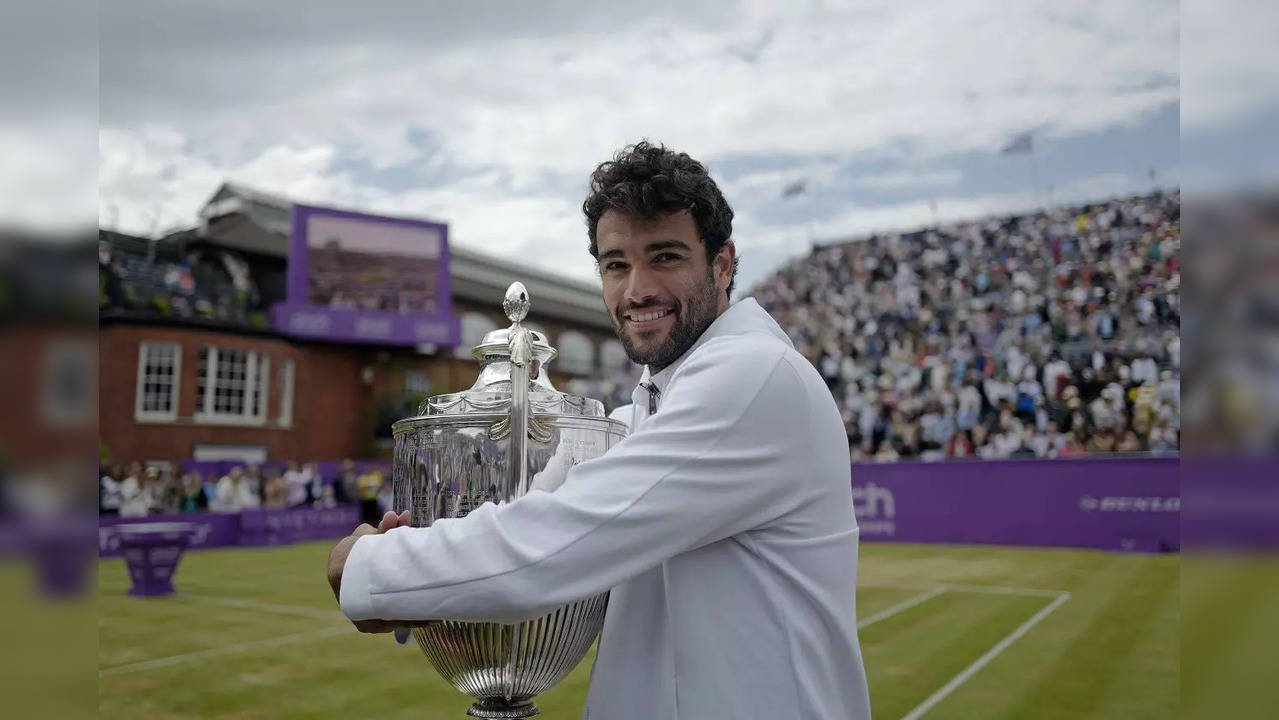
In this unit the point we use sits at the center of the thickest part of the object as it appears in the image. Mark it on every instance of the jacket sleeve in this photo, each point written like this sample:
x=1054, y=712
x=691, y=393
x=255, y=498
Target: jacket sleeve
x=721, y=456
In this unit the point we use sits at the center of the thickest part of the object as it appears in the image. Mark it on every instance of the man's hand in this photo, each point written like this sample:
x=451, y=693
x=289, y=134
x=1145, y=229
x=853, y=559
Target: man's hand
x=390, y=521
x=337, y=563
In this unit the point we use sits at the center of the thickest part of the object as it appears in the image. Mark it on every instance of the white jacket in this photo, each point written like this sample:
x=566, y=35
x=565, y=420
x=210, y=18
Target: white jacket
x=723, y=526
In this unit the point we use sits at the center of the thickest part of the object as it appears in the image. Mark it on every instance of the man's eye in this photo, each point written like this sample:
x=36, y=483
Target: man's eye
x=666, y=258
x=614, y=266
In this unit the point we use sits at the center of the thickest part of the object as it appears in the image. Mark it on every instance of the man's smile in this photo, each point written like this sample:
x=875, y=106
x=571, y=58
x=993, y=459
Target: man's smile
x=648, y=318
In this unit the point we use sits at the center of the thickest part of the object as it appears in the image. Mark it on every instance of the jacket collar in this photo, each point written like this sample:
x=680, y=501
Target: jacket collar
x=742, y=316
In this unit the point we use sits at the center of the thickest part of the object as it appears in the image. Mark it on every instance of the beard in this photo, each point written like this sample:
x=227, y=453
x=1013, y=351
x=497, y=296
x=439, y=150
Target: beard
x=693, y=314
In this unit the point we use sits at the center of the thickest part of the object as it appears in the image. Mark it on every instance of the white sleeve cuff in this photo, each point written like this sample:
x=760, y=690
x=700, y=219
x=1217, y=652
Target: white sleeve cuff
x=356, y=596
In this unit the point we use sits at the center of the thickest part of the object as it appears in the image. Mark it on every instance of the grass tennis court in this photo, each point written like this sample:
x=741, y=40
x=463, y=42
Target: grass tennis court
x=947, y=631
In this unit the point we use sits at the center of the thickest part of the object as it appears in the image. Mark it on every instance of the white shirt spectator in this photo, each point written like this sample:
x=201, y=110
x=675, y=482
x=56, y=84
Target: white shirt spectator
x=246, y=497
x=295, y=483
x=135, y=498
x=110, y=499
x=997, y=391
x=1052, y=371
x=1144, y=370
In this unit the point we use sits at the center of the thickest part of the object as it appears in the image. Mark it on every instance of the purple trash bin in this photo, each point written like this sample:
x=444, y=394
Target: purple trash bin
x=152, y=552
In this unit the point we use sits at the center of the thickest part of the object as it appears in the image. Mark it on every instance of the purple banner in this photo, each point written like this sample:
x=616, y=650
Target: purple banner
x=1113, y=504
x=328, y=469
x=369, y=326
x=249, y=527
x=210, y=530
x=281, y=527
x=1232, y=503
x=354, y=277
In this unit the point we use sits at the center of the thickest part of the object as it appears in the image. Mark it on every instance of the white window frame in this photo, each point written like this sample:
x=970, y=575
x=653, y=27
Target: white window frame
x=142, y=415
x=256, y=363
x=286, y=392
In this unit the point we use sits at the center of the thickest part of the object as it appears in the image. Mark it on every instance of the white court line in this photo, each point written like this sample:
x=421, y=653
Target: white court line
x=216, y=652
x=988, y=589
x=981, y=662
x=903, y=605
x=302, y=610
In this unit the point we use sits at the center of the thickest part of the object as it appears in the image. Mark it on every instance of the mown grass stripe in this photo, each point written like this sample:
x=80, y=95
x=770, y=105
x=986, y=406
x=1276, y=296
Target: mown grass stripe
x=227, y=650
x=981, y=662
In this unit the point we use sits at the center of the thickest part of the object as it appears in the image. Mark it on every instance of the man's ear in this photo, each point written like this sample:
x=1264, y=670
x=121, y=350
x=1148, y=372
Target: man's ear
x=723, y=266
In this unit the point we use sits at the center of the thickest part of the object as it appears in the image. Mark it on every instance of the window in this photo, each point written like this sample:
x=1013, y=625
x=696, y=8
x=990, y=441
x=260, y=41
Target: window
x=474, y=327
x=231, y=385
x=70, y=382
x=416, y=383
x=577, y=355
x=286, y=392
x=159, y=370
x=613, y=357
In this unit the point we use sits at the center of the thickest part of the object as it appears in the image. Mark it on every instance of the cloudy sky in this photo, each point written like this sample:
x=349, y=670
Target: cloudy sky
x=491, y=115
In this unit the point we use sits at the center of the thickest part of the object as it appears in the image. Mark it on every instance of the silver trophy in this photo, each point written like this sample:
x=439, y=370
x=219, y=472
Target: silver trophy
x=511, y=432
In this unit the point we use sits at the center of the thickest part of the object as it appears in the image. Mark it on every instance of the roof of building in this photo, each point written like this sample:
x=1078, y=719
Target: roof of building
x=247, y=219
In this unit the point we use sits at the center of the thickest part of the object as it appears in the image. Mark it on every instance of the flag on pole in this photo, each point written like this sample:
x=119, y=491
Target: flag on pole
x=1021, y=144
x=795, y=188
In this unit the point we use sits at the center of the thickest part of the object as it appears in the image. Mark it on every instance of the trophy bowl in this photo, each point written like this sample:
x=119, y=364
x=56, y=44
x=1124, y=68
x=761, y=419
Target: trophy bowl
x=508, y=434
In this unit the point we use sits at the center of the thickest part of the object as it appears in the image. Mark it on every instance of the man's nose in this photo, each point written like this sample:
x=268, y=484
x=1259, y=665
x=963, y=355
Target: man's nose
x=641, y=286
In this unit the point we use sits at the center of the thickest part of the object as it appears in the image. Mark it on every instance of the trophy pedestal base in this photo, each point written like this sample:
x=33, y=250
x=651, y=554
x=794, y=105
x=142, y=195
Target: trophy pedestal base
x=502, y=710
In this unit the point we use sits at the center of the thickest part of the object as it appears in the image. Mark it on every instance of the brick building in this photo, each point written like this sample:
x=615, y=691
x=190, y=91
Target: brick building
x=197, y=375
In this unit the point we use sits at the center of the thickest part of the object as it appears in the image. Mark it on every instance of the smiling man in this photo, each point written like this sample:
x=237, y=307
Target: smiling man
x=723, y=525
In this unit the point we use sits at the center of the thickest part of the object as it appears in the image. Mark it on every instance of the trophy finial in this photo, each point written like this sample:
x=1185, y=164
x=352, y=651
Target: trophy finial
x=516, y=302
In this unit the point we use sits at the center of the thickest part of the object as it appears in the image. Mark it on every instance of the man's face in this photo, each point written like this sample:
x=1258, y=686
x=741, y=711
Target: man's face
x=658, y=286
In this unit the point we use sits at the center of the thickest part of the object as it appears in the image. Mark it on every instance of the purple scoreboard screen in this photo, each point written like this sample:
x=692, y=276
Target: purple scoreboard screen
x=355, y=277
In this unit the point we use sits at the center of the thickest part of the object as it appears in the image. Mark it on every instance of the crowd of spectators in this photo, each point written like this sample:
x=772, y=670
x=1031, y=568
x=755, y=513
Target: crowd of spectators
x=1052, y=334
x=135, y=490
x=209, y=285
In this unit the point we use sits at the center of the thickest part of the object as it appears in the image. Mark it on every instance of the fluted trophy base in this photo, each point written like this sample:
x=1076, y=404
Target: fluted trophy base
x=502, y=709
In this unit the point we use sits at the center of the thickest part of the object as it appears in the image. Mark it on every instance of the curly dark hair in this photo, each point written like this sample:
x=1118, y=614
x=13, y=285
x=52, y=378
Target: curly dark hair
x=649, y=181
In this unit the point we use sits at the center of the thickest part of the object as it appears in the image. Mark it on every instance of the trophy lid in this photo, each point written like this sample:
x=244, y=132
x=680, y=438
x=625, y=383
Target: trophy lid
x=492, y=391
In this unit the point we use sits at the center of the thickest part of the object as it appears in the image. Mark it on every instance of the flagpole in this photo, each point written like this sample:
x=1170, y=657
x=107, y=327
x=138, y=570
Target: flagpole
x=1034, y=179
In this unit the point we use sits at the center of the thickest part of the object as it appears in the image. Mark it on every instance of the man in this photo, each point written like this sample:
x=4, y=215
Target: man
x=723, y=524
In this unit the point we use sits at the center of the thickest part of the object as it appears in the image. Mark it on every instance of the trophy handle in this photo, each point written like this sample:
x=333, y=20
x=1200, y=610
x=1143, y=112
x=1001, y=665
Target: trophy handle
x=516, y=304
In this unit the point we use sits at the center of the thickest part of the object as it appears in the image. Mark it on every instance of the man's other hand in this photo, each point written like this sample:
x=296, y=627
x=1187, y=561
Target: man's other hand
x=337, y=564
x=390, y=521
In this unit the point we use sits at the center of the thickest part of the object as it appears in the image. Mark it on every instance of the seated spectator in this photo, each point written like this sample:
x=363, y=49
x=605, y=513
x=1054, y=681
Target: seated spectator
x=347, y=484
x=193, y=497
x=168, y=492
x=253, y=477
x=370, y=485
x=315, y=482
x=277, y=492
x=137, y=492
x=109, y=491
x=296, y=483
x=235, y=493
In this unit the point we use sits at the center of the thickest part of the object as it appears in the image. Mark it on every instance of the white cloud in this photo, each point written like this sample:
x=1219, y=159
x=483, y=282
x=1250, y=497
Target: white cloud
x=907, y=179
x=1229, y=69
x=509, y=112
